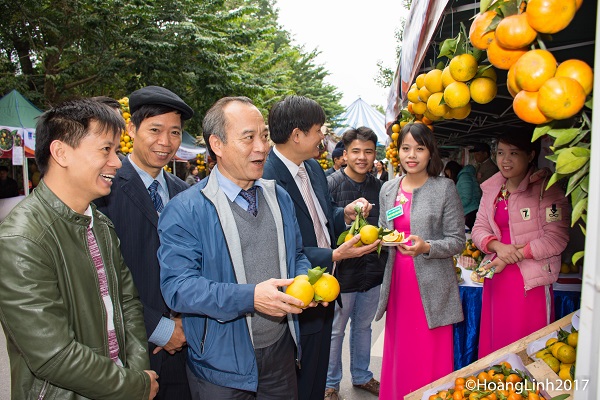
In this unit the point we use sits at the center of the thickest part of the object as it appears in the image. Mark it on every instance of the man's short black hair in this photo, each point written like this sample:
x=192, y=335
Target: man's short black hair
x=69, y=122
x=291, y=113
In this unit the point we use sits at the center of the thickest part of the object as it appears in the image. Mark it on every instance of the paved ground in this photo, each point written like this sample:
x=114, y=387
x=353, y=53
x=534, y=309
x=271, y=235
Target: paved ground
x=347, y=391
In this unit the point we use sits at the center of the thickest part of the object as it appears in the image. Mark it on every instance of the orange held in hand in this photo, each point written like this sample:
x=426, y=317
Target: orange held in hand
x=301, y=289
x=327, y=288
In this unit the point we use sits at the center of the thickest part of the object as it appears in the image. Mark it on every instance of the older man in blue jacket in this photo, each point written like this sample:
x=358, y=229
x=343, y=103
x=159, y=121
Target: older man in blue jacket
x=228, y=245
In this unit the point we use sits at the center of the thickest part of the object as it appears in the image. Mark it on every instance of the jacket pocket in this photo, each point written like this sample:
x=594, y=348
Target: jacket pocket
x=39, y=390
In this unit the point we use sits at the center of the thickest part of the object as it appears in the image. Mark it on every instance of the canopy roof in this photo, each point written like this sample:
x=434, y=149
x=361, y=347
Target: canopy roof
x=487, y=121
x=360, y=114
x=17, y=111
x=189, y=149
x=18, y=118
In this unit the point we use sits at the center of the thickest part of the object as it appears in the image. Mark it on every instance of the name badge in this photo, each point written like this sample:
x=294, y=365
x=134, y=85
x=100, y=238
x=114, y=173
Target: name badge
x=553, y=214
x=525, y=213
x=394, y=212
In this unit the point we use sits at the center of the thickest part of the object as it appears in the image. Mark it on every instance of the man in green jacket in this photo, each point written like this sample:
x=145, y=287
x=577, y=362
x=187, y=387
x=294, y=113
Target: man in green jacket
x=68, y=305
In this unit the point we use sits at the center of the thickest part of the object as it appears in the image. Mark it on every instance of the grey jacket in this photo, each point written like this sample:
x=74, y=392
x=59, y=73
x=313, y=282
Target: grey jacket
x=436, y=215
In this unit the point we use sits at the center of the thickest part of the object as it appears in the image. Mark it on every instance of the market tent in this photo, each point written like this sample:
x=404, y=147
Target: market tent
x=360, y=114
x=18, y=117
x=189, y=149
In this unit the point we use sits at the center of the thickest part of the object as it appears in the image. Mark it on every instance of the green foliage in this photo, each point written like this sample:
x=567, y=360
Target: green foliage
x=51, y=50
x=571, y=150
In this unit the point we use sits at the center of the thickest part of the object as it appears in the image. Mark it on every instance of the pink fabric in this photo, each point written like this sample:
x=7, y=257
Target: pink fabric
x=113, y=344
x=508, y=313
x=527, y=253
x=405, y=323
x=528, y=223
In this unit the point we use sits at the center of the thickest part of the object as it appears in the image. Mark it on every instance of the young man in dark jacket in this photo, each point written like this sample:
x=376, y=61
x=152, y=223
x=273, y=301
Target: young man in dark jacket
x=360, y=278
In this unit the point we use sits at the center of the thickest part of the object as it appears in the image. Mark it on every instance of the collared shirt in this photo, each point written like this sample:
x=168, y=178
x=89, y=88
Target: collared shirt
x=162, y=189
x=293, y=168
x=231, y=190
x=164, y=330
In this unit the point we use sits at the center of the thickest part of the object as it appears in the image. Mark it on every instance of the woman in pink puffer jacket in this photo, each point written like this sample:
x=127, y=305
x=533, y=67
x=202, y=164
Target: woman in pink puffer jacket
x=523, y=228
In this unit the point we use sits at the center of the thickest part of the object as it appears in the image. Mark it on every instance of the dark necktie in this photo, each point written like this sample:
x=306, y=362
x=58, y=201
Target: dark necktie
x=250, y=196
x=156, y=199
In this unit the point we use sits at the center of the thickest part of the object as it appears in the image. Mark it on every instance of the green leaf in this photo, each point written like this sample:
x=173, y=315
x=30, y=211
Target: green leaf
x=576, y=194
x=582, y=229
x=541, y=130
x=553, y=179
x=589, y=102
x=342, y=237
x=577, y=256
x=484, y=5
x=561, y=397
x=315, y=274
x=583, y=133
x=565, y=136
x=552, y=157
x=448, y=48
x=508, y=8
x=575, y=179
x=585, y=184
x=579, y=208
x=572, y=159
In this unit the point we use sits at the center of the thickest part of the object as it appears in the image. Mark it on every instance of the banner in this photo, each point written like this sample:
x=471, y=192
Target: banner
x=423, y=19
x=11, y=137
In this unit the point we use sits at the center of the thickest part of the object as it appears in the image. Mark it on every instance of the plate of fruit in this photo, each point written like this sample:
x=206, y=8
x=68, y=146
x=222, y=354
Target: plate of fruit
x=6, y=139
x=471, y=256
x=393, y=238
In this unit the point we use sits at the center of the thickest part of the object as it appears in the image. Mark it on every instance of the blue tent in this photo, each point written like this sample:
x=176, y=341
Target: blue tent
x=360, y=114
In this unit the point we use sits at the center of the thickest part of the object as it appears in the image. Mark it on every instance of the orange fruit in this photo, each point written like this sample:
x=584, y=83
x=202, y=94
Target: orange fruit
x=526, y=107
x=460, y=113
x=578, y=3
x=369, y=234
x=447, y=78
x=511, y=82
x=534, y=68
x=419, y=108
x=550, y=16
x=424, y=94
x=514, y=32
x=477, y=32
x=579, y=71
x=327, y=287
x=457, y=95
x=413, y=95
x=513, y=378
x=301, y=289
x=395, y=128
x=350, y=236
x=488, y=73
x=433, y=81
x=503, y=58
x=428, y=115
x=434, y=106
x=463, y=67
x=420, y=81
x=561, y=97
x=483, y=90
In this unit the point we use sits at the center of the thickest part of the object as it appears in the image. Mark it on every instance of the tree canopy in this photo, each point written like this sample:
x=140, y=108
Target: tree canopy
x=52, y=50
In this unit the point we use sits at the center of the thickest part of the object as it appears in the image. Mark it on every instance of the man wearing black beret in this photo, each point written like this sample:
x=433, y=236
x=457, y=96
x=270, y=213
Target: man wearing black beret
x=337, y=156
x=139, y=193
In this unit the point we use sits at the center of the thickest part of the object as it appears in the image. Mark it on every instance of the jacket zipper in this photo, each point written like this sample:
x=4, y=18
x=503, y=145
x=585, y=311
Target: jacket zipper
x=118, y=311
x=43, y=391
x=204, y=335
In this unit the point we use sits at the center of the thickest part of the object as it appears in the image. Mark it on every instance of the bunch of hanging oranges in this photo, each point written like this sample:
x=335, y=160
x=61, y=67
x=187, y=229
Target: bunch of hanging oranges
x=543, y=90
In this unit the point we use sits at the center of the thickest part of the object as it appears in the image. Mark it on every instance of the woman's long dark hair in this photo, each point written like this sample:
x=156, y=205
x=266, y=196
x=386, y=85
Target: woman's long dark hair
x=424, y=137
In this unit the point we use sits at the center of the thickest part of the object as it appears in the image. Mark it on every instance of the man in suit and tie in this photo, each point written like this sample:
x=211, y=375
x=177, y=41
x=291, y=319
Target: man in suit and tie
x=139, y=193
x=295, y=127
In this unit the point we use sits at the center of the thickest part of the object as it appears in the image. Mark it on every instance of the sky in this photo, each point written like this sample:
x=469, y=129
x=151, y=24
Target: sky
x=352, y=36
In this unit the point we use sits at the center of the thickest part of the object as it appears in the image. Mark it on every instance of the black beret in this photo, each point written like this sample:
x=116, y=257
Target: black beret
x=337, y=152
x=159, y=96
x=480, y=147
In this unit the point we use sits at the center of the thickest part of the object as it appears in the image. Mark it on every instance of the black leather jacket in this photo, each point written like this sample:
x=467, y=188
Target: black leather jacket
x=52, y=312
